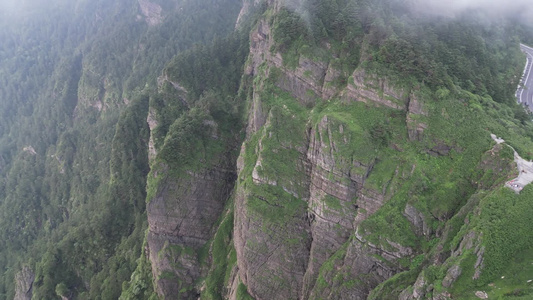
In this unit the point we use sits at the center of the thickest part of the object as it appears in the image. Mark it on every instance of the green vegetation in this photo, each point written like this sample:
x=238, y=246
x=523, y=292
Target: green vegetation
x=463, y=71
x=242, y=293
x=223, y=257
x=76, y=82
x=79, y=79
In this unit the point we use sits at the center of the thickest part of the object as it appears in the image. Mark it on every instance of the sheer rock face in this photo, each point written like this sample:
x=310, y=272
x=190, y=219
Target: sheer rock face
x=152, y=121
x=418, y=291
x=307, y=82
x=370, y=89
x=247, y=7
x=273, y=268
x=181, y=218
x=415, y=119
x=334, y=200
x=284, y=260
x=272, y=258
x=357, y=263
x=272, y=253
x=24, y=284
x=282, y=240
x=417, y=219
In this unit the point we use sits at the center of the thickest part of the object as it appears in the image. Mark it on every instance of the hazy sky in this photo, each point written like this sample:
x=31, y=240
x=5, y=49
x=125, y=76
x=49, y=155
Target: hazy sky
x=522, y=9
x=7, y=4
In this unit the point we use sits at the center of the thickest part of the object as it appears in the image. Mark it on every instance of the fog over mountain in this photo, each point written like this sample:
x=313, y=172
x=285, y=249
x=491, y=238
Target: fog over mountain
x=520, y=9
x=264, y=149
x=7, y=6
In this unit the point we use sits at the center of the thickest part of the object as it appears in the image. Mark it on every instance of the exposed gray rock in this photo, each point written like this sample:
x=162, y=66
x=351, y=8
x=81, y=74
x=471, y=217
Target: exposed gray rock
x=332, y=185
x=30, y=150
x=233, y=284
x=451, y=276
x=417, y=219
x=416, y=114
x=482, y=295
x=360, y=264
x=245, y=10
x=332, y=224
x=181, y=219
x=151, y=119
x=269, y=266
x=304, y=82
x=307, y=82
x=328, y=89
x=419, y=288
x=417, y=291
x=442, y=296
x=469, y=241
x=480, y=251
x=24, y=284
x=272, y=256
x=406, y=294
x=151, y=12
x=373, y=90
x=440, y=149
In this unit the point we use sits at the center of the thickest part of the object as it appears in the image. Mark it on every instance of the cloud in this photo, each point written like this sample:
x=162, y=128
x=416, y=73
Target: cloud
x=521, y=10
x=7, y=5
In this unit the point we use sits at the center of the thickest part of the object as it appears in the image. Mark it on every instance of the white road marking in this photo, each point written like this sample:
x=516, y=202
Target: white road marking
x=527, y=77
x=526, y=47
x=524, y=83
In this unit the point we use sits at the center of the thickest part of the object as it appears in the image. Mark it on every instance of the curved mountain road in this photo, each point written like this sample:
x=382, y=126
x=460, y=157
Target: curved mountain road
x=524, y=94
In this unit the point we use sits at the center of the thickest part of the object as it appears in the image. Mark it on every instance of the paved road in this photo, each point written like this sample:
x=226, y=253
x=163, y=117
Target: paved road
x=524, y=94
x=525, y=170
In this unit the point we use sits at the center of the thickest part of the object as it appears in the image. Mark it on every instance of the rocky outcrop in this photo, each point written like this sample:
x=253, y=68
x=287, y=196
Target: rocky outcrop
x=309, y=81
x=305, y=81
x=440, y=149
x=151, y=119
x=181, y=218
x=416, y=218
x=451, y=276
x=185, y=200
x=416, y=114
x=256, y=117
x=354, y=274
x=24, y=284
x=151, y=12
x=286, y=229
x=261, y=40
x=284, y=260
x=30, y=150
x=370, y=89
x=272, y=257
x=333, y=192
x=247, y=7
x=271, y=231
x=418, y=291
x=96, y=91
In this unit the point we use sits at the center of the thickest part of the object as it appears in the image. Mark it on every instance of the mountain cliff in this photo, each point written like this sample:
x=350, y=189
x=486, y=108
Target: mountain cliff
x=264, y=150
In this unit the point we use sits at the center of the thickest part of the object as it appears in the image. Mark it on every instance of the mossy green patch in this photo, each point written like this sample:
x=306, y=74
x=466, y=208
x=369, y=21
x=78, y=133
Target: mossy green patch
x=274, y=204
x=392, y=287
x=242, y=292
x=223, y=257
